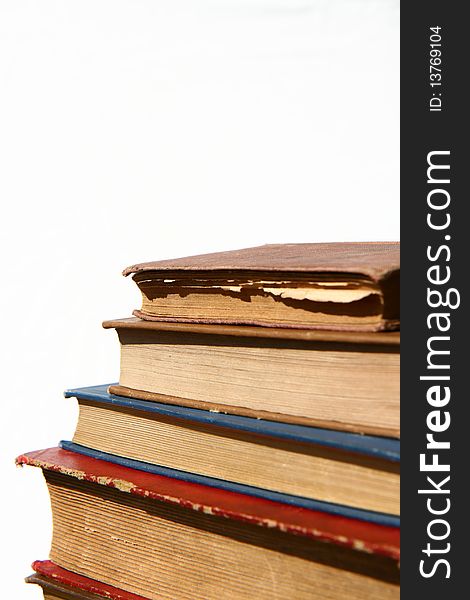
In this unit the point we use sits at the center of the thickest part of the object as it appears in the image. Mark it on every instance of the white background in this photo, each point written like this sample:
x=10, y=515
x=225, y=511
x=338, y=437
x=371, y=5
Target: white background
x=146, y=129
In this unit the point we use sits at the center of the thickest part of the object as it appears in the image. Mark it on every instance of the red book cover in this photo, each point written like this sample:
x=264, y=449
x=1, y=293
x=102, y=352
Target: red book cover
x=354, y=533
x=53, y=578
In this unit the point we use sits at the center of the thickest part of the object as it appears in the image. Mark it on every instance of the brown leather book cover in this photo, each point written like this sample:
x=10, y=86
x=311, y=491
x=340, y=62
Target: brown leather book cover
x=338, y=286
x=358, y=342
x=387, y=339
x=376, y=260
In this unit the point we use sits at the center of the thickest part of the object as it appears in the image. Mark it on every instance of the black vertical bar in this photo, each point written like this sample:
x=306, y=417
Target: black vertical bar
x=423, y=246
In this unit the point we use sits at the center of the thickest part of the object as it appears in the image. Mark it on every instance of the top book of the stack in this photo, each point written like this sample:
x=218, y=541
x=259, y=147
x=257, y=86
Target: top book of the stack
x=336, y=286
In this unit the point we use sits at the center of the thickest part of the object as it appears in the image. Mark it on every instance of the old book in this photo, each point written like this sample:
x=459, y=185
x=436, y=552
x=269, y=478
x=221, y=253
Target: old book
x=160, y=537
x=337, y=470
x=344, y=286
x=338, y=380
x=60, y=584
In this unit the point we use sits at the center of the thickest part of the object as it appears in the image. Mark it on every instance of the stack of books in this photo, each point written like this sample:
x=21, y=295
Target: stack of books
x=250, y=448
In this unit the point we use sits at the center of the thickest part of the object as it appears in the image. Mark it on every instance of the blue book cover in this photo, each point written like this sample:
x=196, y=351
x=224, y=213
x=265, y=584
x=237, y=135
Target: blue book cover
x=368, y=446
x=380, y=447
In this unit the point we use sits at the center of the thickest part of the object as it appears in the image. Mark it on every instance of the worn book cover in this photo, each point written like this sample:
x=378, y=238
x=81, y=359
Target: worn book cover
x=191, y=540
x=339, y=471
x=60, y=584
x=339, y=286
x=333, y=379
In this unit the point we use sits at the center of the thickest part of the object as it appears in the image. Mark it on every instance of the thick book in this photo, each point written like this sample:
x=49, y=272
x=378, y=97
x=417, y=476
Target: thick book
x=338, y=380
x=339, y=470
x=160, y=537
x=343, y=286
x=59, y=584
